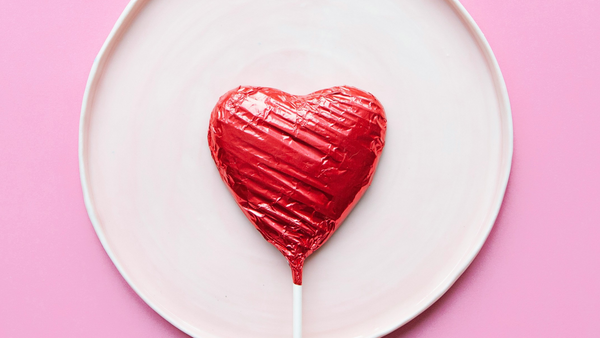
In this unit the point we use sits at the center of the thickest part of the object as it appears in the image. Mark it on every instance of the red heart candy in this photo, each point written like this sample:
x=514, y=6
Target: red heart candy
x=296, y=165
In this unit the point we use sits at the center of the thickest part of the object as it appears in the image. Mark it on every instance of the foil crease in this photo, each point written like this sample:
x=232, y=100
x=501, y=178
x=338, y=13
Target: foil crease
x=297, y=165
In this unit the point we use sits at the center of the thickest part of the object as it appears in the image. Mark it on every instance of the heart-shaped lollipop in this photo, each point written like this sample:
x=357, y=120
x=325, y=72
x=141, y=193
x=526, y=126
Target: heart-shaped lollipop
x=296, y=165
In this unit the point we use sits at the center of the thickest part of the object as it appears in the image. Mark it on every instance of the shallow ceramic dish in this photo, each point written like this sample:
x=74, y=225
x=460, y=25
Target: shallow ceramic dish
x=176, y=235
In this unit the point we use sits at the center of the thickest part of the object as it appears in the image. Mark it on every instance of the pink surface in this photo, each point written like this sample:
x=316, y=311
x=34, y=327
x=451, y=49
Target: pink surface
x=537, y=276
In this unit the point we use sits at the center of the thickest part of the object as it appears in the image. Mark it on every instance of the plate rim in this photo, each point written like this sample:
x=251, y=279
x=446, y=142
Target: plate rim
x=128, y=16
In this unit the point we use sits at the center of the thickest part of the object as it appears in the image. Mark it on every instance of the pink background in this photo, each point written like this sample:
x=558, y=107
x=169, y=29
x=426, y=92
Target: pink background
x=538, y=275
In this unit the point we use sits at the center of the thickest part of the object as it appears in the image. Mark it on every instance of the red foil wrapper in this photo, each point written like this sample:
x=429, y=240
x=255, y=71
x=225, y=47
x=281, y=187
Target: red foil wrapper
x=296, y=165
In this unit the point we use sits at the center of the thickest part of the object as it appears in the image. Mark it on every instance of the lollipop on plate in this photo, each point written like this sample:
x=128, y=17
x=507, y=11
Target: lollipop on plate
x=297, y=165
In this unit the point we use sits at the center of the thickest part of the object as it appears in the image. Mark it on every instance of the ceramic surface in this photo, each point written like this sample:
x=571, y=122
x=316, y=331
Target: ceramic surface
x=174, y=232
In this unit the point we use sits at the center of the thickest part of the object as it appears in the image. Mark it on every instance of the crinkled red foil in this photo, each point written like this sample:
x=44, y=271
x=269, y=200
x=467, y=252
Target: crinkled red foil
x=296, y=165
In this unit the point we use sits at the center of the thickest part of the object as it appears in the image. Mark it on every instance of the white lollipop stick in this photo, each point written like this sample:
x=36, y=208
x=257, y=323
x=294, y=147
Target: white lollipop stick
x=297, y=311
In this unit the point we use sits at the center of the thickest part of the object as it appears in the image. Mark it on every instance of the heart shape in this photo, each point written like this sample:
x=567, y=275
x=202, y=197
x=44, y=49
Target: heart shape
x=297, y=165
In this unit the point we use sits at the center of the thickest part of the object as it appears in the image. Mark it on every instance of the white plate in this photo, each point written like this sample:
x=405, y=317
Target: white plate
x=169, y=224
